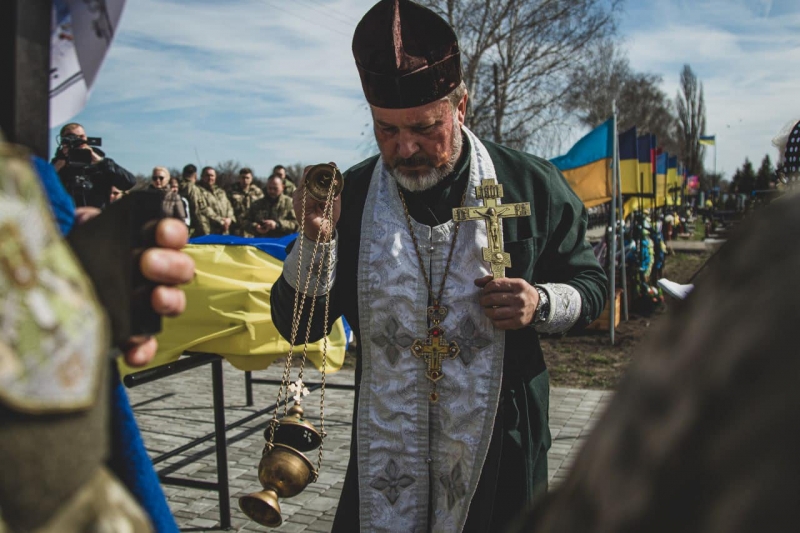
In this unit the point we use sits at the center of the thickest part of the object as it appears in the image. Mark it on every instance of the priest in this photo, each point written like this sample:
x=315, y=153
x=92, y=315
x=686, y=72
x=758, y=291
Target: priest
x=450, y=429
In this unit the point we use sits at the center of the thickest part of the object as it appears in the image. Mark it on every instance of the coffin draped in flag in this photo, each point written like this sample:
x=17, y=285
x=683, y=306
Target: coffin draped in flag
x=587, y=166
x=228, y=311
x=81, y=34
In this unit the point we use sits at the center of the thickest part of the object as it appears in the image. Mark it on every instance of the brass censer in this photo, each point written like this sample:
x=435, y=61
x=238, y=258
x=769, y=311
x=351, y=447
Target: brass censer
x=284, y=470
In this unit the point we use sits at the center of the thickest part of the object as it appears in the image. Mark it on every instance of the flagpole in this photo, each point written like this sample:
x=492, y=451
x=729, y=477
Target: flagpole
x=613, y=252
x=715, y=158
x=623, y=276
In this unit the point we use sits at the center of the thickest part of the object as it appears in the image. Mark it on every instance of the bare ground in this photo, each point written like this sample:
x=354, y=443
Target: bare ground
x=588, y=360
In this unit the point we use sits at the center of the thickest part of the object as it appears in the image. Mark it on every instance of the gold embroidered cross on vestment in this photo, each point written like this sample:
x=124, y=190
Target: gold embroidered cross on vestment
x=435, y=347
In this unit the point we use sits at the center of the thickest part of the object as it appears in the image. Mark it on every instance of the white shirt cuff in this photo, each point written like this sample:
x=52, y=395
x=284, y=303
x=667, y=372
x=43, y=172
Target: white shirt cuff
x=565, y=308
x=303, y=249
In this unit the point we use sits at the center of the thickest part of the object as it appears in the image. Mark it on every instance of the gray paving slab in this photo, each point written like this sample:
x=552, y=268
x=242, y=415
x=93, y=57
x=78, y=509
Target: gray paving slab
x=173, y=411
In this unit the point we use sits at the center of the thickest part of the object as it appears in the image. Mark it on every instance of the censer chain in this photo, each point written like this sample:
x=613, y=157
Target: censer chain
x=299, y=304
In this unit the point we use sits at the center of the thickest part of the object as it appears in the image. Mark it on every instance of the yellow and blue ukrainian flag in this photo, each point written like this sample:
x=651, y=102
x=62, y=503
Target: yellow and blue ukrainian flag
x=708, y=140
x=587, y=165
x=228, y=310
x=662, y=160
x=673, y=182
x=629, y=162
x=646, y=147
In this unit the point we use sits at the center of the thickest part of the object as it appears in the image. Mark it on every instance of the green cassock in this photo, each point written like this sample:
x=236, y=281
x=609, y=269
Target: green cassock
x=547, y=247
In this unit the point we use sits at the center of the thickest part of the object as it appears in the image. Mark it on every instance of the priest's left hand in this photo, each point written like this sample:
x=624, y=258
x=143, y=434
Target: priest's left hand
x=166, y=265
x=510, y=303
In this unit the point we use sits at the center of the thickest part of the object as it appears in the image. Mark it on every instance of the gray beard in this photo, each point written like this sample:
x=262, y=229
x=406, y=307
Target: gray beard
x=424, y=181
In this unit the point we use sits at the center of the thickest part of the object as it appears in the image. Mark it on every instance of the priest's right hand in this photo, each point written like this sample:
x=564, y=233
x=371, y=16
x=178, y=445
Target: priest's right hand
x=314, y=223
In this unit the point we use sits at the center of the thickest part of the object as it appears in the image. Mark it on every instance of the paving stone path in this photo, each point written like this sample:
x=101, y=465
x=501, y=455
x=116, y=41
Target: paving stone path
x=172, y=411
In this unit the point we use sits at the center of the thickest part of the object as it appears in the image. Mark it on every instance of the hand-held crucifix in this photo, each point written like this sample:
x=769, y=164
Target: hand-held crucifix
x=492, y=213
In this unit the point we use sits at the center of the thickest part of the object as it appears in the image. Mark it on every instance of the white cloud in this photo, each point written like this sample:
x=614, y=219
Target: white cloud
x=261, y=81
x=266, y=81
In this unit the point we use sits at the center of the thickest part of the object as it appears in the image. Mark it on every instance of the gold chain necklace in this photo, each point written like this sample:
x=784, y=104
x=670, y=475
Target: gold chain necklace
x=434, y=348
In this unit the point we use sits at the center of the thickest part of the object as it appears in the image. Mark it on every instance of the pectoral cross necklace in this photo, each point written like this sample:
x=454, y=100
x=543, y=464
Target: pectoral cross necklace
x=434, y=348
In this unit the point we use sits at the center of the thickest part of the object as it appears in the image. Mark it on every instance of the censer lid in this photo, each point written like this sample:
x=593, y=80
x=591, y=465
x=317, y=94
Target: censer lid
x=295, y=431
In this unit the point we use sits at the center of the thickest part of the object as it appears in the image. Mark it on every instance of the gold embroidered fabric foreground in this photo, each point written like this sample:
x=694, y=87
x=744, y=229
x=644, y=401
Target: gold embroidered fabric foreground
x=53, y=333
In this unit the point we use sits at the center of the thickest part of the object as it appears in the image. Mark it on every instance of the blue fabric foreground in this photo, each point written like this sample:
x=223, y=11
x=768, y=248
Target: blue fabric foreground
x=276, y=247
x=130, y=462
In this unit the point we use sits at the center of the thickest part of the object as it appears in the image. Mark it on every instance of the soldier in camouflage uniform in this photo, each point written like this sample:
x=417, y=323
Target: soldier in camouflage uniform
x=242, y=196
x=194, y=198
x=54, y=363
x=273, y=215
x=288, y=185
x=214, y=212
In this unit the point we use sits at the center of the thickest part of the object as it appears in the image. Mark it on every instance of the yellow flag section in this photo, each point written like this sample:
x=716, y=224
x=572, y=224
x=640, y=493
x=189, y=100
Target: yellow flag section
x=630, y=181
x=228, y=313
x=587, y=166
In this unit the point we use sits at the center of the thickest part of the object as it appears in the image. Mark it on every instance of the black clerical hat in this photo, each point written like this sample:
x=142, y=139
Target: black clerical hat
x=406, y=54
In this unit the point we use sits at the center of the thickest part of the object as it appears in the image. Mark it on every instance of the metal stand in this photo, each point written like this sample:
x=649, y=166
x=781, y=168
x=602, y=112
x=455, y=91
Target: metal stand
x=249, y=380
x=221, y=486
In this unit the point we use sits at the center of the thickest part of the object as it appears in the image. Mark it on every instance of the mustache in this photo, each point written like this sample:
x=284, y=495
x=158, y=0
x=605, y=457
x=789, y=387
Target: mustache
x=413, y=161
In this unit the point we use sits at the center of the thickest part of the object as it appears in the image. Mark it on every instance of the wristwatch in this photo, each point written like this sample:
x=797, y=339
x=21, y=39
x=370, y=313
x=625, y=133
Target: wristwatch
x=543, y=309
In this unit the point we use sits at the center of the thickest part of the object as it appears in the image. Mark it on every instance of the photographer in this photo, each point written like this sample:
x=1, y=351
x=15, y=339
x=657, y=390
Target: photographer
x=84, y=170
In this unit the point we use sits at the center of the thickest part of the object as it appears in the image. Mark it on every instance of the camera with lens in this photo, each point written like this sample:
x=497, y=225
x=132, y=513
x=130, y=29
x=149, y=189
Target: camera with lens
x=85, y=171
x=75, y=155
x=76, y=173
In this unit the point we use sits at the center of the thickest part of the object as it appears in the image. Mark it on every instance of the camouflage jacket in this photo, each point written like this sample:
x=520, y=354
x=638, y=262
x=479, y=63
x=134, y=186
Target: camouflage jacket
x=241, y=201
x=280, y=210
x=289, y=187
x=213, y=207
x=193, y=195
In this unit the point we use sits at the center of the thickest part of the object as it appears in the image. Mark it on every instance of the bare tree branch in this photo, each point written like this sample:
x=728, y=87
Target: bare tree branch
x=536, y=45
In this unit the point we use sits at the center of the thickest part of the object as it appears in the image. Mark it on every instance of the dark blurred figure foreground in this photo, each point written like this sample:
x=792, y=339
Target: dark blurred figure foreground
x=700, y=435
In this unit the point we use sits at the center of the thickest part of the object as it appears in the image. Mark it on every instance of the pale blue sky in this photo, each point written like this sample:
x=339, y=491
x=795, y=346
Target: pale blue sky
x=267, y=81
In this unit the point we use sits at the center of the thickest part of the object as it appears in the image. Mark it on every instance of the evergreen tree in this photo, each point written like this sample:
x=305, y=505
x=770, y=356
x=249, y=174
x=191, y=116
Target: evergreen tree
x=765, y=175
x=744, y=180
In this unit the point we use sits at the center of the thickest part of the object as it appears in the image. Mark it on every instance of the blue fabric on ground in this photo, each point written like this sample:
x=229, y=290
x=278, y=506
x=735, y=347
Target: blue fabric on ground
x=276, y=247
x=61, y=203
x=130, y=462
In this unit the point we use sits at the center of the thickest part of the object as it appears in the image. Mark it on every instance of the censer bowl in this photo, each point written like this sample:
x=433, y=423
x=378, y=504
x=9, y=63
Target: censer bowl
x=319, y=178
x=295, y=431
x=283, y=472
x=262, y=507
